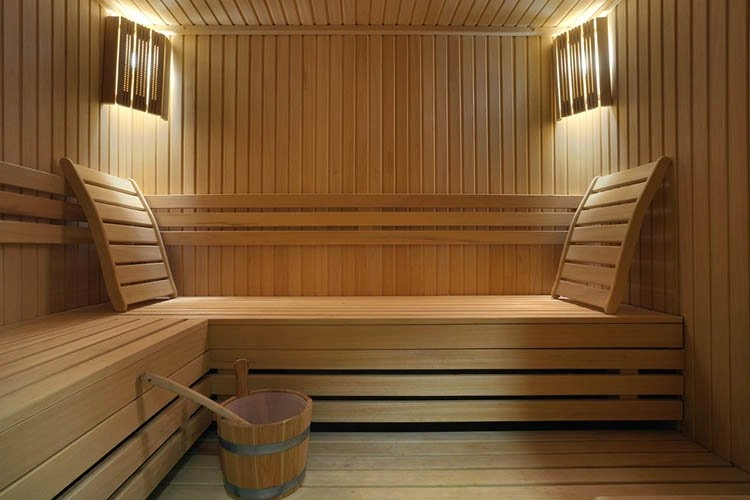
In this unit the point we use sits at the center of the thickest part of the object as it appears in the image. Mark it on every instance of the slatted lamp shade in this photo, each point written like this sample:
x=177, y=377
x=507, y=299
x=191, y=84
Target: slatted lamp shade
x=135, y=67
x=581, y=72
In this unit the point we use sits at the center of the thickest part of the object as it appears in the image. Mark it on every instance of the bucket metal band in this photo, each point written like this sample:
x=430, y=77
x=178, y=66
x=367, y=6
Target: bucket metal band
x=253, y=450
x=265, y=493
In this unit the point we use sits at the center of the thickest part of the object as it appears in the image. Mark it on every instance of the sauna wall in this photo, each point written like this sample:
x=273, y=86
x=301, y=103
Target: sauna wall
x=682, y=90
x=48, y=108
x=359, y=114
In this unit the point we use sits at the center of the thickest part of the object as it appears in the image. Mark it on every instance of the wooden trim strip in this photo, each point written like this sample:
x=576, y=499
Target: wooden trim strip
x=25, y=205
x=497, y=411
x=42, y=234
x=449, y=359
x=424, y=201
x=28, y=178
x=351, y=29
x=95, y=178
x=339, y=219
x=405, y=237
x=456, y=385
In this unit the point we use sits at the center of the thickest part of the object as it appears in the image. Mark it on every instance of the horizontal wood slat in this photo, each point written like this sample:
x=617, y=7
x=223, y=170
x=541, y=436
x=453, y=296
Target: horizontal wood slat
x=449, y=359
x=121, y=215
x=320, y=219
x=118, y=233
x=141, y=272
x=112, y=197
x=132, y=254
x=498, y=411
x=617, y=179
x=599, y=234
x=588, y=274
x=615, y=196
x=458, y=385
x=33, y=206
x=96, y=178
x=583, y=293
x=345, y=200
x=35, y=233
x=593, y=254
x=145, y=291
x=613, y=213
x=404, y=237
x=29, y=178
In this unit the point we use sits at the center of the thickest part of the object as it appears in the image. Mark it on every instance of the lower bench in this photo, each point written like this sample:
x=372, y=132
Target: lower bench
x=75, y=421
x=447, y=359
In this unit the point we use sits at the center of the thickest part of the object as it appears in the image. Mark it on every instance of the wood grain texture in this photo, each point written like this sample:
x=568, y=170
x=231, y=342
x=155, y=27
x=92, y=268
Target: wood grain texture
x=373, y=115
x=681, y=83
x=580, y=465
x=49, y=107
x=363, y=12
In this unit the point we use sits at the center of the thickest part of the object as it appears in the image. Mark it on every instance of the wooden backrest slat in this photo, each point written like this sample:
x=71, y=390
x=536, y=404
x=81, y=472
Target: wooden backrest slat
x=113, y=197
x=593, y=254
x=624, y=194
x=597, y=297
x=599, y=248
x=147, y=291
x=100, y=179
x=599, y=234
x=135, y=254
x=28, y=178
x=124, y=232
x=610, y=214
x=42, y=234
x=25, y=205
x=358, y=201
x=135, y=273
x=120, y=215
x=120, y=233
x=631, y=176
x=585, y=273
x=342, y=219
x=35, y=203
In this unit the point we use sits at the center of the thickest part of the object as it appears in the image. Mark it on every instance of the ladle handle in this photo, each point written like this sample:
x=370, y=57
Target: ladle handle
x=241, y=367
x=192, y=395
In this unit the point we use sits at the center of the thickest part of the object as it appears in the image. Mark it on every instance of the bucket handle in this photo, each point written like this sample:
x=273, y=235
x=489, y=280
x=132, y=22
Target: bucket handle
x=192, y=395
x=241, y=367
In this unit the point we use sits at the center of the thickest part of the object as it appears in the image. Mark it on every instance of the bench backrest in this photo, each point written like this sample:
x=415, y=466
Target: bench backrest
x=37, y=209
x=595, y=261
x=130, y=249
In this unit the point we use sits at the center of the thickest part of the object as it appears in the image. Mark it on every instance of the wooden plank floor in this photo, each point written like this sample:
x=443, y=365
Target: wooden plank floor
x=437, y=309
x=576, y=465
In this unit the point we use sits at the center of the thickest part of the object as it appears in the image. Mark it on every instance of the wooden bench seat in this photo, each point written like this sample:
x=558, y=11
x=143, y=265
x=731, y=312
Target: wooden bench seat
x=73, y=416
x=440, y=359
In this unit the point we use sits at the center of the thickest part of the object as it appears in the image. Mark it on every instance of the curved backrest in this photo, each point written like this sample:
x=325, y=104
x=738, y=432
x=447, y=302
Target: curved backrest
x=131, y=252
x=599, y=248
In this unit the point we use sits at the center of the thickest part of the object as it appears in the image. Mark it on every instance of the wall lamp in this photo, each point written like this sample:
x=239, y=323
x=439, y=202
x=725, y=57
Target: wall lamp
x=581, y=69
x=135, y=67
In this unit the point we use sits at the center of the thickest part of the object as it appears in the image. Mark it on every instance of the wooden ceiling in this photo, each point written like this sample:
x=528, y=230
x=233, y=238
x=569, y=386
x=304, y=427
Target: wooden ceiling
x=409, y=14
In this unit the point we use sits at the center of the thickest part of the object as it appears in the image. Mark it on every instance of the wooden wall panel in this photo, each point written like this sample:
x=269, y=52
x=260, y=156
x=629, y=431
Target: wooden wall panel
x=681, y=82
x=50, y=54
x=366, y=114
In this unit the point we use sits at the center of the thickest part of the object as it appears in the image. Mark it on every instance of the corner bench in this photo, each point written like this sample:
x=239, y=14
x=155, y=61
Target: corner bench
x=446, y=359
x=74, y=419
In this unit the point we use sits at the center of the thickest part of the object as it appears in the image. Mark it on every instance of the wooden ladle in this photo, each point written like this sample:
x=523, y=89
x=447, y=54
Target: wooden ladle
x=192, y=395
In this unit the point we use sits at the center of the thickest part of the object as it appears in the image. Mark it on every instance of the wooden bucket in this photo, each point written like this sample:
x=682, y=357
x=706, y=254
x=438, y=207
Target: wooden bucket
x=267, y=459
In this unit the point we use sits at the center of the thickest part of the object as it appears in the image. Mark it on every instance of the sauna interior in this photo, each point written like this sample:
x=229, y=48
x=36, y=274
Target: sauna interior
x=369, y=200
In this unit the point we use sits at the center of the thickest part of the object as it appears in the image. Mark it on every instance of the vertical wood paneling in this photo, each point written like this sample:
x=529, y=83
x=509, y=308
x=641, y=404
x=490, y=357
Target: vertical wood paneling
x=49, y=107
x=682, y=90
x=362, y=114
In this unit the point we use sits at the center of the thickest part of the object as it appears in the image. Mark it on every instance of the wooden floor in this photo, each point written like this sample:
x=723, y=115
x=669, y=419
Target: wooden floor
x=503, y=465
x=476, y=309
